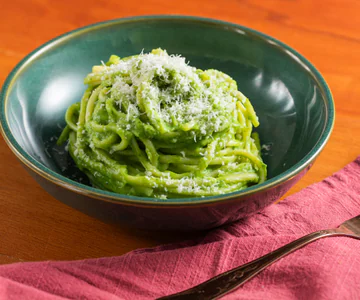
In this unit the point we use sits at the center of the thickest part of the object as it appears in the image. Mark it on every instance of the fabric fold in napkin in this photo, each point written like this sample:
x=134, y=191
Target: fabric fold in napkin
x=326, y=269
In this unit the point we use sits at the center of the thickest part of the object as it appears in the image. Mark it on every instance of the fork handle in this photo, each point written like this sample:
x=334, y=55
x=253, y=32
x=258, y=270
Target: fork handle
x=228, y=281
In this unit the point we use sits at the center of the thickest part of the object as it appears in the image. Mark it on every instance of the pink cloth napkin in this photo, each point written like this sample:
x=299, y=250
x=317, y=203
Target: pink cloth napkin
x=326, y=269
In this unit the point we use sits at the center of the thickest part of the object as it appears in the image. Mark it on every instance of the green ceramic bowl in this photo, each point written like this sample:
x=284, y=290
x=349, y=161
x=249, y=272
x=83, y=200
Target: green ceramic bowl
x=292, y=100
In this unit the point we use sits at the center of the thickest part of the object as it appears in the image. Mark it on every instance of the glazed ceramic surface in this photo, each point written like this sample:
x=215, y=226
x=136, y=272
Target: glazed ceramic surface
x=292, y=100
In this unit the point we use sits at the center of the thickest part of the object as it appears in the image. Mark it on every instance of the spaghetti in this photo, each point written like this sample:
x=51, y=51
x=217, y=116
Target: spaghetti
x=151, y=125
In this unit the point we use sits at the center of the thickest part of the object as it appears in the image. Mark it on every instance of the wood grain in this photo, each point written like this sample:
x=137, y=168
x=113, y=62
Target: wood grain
x=34, y=226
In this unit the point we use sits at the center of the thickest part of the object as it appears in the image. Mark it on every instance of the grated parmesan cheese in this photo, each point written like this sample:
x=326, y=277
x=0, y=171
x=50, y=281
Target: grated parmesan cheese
x=172, y=91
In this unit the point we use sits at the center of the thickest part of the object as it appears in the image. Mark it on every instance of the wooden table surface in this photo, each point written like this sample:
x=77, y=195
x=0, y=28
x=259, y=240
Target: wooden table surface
x=35, y=226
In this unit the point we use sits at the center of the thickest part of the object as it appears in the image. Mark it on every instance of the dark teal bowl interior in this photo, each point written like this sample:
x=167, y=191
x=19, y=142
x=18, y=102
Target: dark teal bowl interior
x=290, y=97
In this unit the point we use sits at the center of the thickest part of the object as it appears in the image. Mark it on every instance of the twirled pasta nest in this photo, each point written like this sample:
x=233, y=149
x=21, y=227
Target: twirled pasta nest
x=151, y=125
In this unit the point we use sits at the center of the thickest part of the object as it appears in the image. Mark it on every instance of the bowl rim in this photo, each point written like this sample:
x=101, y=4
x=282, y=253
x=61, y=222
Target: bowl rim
x=103, y=195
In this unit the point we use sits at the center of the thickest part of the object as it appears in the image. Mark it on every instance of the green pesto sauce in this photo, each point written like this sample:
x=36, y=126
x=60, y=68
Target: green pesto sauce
x=151, y=125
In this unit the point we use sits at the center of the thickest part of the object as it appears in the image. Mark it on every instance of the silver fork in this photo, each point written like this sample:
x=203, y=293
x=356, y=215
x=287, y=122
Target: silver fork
x=223, y=283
